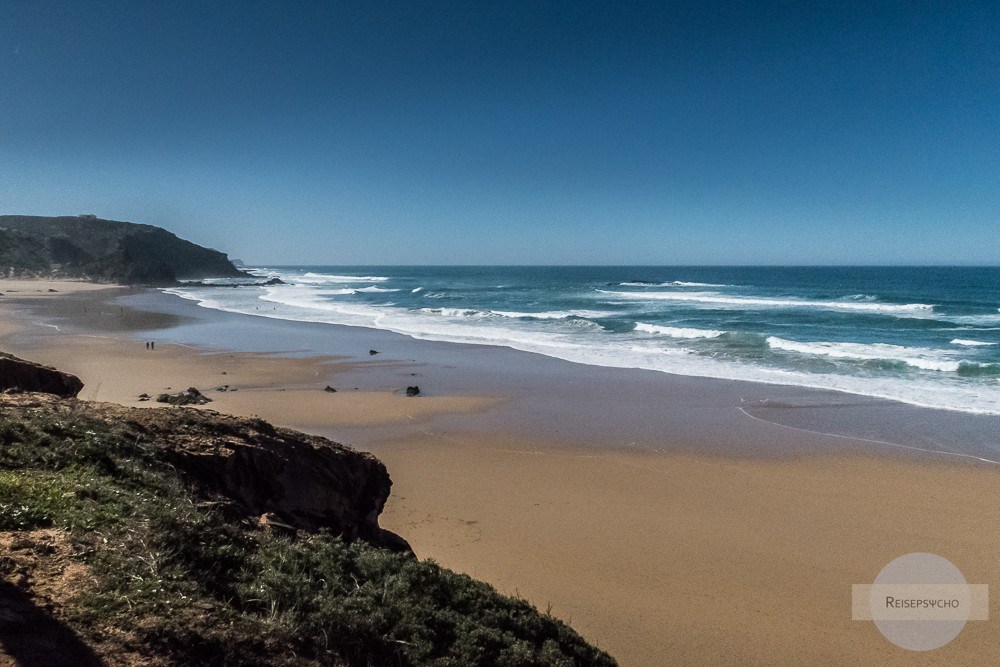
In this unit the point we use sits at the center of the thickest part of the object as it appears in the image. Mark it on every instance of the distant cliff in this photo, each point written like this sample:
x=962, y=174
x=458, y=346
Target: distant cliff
x=90, y=248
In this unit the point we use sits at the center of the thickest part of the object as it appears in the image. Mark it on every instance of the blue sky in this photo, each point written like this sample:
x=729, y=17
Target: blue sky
x=535, y=132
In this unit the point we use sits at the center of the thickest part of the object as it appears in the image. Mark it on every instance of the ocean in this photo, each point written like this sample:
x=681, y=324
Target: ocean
x=924, y=336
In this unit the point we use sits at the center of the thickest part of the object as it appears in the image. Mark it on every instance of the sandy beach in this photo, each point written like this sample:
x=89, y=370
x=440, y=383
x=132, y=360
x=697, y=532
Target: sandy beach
x=705, y=539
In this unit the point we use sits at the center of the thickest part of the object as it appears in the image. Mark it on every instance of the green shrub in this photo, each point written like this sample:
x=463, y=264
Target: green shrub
x=191, y=586
x=27, y=502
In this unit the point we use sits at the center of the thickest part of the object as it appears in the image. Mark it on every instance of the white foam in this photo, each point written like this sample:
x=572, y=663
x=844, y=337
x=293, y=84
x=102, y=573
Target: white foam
x=714, y=299
x=672, y=283
x=320, y=278
x=970, y=343
x=919, y=357
x=455, y=312
x=591, y=346
x=341, y=291
x=416, y=289
x=373, y=288
x=677, y=332
x=554, y=314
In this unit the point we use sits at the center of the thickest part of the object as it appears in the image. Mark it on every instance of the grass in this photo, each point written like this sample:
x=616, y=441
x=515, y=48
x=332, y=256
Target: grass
x=180, y=579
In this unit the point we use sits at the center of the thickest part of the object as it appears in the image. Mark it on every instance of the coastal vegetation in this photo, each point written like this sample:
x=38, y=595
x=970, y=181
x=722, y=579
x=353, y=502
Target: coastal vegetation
x=110, y=530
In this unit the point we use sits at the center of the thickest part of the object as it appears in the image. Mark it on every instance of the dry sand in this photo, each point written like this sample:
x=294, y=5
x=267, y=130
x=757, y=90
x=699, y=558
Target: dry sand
x=286, y=390
x=686, y=559
x=49, y=287
x=661, y=558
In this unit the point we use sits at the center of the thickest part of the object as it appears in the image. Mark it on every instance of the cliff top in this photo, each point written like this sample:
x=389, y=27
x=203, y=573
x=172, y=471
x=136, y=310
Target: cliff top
x=181, y=536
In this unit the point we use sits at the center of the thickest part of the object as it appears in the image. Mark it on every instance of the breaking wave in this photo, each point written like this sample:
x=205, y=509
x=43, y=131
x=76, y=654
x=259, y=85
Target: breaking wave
x=720, y=300
x=923, y=358
x=677, y=332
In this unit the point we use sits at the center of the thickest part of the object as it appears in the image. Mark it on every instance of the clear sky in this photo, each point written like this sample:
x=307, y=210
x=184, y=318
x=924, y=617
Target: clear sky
x=514, y=132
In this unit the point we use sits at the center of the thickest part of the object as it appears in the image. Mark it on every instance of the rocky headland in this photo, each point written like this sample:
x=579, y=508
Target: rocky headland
x=90, y=248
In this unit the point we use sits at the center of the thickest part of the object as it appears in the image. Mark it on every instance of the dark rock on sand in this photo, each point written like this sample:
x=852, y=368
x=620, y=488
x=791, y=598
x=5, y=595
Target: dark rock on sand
x=189, y=396
x=413, y=391
x=372, y=352
x=330, y=389
x=22, y=375
x=275, y=281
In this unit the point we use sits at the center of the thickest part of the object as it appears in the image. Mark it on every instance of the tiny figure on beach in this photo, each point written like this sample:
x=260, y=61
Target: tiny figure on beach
x=152, y=344
x=147, y=344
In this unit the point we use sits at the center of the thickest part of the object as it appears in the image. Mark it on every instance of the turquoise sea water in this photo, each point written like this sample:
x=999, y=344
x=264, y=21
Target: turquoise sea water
x=926, y=336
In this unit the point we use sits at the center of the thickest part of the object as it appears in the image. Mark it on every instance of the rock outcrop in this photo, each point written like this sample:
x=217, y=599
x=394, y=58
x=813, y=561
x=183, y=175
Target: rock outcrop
x=21, y=375
x=249, y=466
x=304, y=481
x=190, y=396
x=105, y=251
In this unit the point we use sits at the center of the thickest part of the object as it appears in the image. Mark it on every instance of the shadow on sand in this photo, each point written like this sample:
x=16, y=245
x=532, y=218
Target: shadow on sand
x=33, y=638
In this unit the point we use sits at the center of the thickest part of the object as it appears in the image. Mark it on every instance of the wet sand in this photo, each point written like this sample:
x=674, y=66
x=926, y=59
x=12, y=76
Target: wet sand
x=693, y=551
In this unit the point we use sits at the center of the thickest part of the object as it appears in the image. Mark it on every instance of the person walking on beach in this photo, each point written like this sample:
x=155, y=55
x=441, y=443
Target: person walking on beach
x=152, y=344
x=147, y=345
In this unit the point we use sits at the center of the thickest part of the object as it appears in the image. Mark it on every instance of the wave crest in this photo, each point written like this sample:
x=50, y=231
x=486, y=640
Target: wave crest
x=716, y=299
x=553, y=314
x=671, y=283
x=970, y=343
x=321, y=278
x=677, y=332
x=918, y=357
x=455, y=312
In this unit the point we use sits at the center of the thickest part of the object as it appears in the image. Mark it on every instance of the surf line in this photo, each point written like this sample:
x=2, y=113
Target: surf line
x=877, y=442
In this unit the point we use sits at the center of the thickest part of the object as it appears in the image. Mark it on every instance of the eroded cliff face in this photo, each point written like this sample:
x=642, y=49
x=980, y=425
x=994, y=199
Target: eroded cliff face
x=181, y=536
x=252, y=468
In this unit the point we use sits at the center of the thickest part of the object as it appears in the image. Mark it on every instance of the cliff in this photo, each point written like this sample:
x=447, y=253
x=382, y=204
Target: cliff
x=178, y=536
x=104, y=251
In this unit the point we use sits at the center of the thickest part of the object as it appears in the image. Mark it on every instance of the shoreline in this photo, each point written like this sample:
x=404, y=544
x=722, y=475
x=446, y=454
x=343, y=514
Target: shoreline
x=886, y=347
x=770, y=419
x=729, y=542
